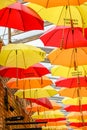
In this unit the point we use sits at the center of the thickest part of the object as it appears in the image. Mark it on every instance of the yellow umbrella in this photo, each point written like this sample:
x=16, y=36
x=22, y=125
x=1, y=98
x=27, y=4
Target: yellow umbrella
x=73, y=92
x=68, y=57
x=75, y=16
x=69, y=71
x=47, y=91
x=63, y=127
x=20, y=55
x=48, y=114
x=74, y=101
x=5, y=3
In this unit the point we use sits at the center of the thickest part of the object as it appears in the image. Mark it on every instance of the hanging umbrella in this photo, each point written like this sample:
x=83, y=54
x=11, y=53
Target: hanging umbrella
x=36, y=70
x=48, y=115
x=74, y=16
x=29, y=83
x=73, y=82
x=68, y=57
x=69, y=72
x=73, y=92
x=34, y=107
x=64, y=37
x=74, y=101
x=57, y=123
x=41, y=101
x=47, y=91
x=76, y=115
x=4, y=3
x=63, y=127
x=20, y=17
x=77, y=124
x=52, y=3
x=75, y=108
x=20, y=55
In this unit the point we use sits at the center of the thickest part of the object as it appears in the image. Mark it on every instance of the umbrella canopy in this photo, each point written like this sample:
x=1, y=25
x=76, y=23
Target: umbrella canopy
x=50, y=119
x=72, y=82
x=47, y=91
x=73, y=92
x=63, y=127
x=52, y=3
x=77, y=115
x=4, y=3
x=74, y=16
x=20, y=17
x=75, y=57
x=64, y=37
x=20, y=55
x=69, y=72
x=41, y=101
x=48, y=114
x=36, y=70
x=75, y=108
x=74, y=101
x=29, y=83
x=57, y=123
x=34, y=107
x=78, y=124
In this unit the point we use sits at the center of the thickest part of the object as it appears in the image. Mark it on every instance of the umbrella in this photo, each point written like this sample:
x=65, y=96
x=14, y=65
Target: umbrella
x=20, y=17
x=48, y=114
x=73, y=92
x=41, y=101
x=29, y=83
x=76, y=115
x=57, y=123
x=52, y=3
x=72, y=82
x=63, y=127
x=75, y=108
x=74, y=101
x=36, y=70
x=50, y=119
x=20, y=55
x=69, y=71
x=64, y=37
x=72, y=57
x=78, y=124
x=47, y=91
x=4, y=3
x=34, y=107
x=74, y=16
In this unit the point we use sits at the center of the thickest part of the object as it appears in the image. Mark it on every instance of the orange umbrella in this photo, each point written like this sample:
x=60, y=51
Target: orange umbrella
x=53, y=3
x=35, y=107
x=28, y=83
x=68, y=57
x=77, y=115
x=57, y=123
x=73, y=92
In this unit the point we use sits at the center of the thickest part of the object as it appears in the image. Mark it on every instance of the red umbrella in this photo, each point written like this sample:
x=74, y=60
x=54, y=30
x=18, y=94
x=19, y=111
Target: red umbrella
x=75, y=108
x=36, y=70
x=64, y=37
x=20, y=17
x=41, y=101
x=51, y=119
x=72, y=82
x=79, y=124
